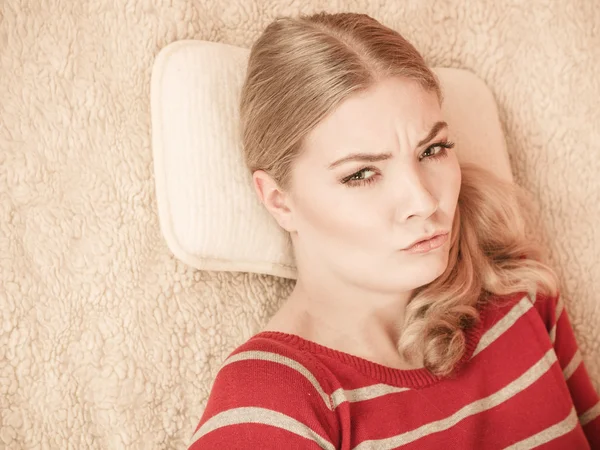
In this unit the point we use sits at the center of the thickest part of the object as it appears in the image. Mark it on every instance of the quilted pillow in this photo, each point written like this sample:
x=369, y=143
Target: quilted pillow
x=209, y=213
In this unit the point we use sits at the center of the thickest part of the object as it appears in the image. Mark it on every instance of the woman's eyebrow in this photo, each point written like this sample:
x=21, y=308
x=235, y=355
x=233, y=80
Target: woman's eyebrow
x=368, y=157
x=374, y=157
x=435, y=129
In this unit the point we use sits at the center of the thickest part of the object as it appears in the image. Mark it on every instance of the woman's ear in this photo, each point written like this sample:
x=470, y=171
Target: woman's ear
x=277, y=202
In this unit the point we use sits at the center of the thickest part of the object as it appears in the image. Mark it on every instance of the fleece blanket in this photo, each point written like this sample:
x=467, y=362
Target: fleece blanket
x=106, y=340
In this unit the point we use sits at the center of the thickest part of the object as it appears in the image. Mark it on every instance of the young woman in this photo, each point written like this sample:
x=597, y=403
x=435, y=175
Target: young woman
x=422, y=317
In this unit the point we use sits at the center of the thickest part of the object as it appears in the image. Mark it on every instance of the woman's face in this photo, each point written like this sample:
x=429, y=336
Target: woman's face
x=351, y=217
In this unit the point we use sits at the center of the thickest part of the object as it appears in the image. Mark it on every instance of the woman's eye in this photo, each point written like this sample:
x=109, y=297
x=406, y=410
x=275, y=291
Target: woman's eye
x=360, y=175
x=442, y=150
x=431, y=152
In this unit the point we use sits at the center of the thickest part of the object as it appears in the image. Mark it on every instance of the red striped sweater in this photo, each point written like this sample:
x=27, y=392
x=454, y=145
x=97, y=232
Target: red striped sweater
x=520, y=384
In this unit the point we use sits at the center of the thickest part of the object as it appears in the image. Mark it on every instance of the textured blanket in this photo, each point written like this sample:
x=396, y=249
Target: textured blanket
x=106, y=340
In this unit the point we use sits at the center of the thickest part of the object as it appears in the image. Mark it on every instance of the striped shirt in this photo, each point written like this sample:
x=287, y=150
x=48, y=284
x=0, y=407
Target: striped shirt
x=521, y=383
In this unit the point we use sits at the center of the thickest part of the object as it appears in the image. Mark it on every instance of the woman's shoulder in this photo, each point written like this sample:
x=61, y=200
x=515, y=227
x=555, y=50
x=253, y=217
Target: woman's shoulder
x=510, y=307
x=272, y=357
x=266, y=382
x=265, y=379
x=273, y=346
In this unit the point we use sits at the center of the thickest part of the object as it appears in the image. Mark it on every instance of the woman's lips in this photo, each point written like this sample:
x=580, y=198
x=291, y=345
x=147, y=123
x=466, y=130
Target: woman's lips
x=431, y=244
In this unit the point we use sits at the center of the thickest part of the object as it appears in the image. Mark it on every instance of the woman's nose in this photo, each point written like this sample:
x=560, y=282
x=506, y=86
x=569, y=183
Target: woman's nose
x=413, y=197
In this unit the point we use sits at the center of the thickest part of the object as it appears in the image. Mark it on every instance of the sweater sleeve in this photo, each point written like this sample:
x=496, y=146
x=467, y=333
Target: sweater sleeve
x=262, y=399
x=585, y=398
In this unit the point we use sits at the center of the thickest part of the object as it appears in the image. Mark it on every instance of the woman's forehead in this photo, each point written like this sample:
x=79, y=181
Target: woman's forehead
x=371, y=119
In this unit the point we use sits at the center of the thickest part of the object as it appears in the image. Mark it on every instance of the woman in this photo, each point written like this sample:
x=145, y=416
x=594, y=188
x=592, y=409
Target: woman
x=383, y=343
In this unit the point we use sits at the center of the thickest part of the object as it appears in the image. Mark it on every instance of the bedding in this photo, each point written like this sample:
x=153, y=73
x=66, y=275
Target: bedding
x=108, y=340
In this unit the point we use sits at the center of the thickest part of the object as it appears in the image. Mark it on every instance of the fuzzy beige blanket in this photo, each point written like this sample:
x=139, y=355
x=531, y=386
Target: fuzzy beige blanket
x=107, y=341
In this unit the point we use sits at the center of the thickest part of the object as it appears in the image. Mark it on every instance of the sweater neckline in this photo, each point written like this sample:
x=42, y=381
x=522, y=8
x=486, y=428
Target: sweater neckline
x=412, y=378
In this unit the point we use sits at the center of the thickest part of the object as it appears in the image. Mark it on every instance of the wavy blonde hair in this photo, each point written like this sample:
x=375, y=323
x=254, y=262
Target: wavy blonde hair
x=299, y=70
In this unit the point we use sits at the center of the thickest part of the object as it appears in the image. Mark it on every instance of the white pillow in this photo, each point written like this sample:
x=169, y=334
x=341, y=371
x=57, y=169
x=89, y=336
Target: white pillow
x=209, y=213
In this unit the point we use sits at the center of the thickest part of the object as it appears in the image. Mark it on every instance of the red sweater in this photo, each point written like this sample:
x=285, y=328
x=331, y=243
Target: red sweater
x=520, y=384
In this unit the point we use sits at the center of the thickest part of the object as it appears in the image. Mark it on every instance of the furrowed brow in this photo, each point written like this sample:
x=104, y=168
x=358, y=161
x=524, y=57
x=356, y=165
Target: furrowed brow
x=374, y=157
x=437, y=127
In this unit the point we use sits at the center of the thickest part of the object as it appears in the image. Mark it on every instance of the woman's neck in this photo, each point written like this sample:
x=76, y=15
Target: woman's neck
x=372, y=337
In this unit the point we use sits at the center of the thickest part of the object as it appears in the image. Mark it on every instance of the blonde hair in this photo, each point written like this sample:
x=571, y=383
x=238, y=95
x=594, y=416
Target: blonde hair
x=299, y=70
